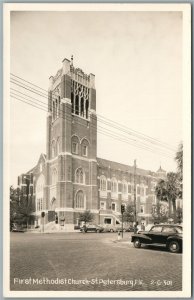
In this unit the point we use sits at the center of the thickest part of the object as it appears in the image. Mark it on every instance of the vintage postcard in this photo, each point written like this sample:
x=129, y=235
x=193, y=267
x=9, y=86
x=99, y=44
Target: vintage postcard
x=97, y=150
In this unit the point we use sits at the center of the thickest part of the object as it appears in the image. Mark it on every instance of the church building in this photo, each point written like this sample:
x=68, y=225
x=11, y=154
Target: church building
x=70, y=178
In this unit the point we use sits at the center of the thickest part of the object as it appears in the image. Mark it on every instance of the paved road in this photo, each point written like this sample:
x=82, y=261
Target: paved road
x=77, y=261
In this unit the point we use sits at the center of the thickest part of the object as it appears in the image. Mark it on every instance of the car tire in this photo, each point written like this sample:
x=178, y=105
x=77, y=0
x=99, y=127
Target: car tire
x=97, y=230
x=174, y=246
x=137, y=243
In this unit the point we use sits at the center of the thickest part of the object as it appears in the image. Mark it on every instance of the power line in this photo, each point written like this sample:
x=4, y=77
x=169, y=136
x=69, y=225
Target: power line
x=28, y=82
x=103, y=131
x=144, y=145
x=110, y=122
x=103, y=122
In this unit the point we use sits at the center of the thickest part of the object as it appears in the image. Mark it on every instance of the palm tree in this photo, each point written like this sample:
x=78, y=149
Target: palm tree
x=179, y=160
x=168, y=190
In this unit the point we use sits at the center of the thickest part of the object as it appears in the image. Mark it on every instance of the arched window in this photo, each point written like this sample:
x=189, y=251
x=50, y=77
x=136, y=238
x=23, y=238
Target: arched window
x=113, y=185
x=124, y=187
x=75, y=145
x=54, y=176
x=79, y=201
x=79, y=176
x=103, y=183
x=53, y=149
x=84, y=147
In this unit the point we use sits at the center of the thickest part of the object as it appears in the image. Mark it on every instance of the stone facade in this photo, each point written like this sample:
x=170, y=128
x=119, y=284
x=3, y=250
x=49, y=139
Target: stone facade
x=70, y=178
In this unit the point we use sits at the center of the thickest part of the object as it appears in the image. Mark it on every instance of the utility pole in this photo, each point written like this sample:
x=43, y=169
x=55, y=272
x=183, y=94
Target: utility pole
x=122, y=212
x=135, y=212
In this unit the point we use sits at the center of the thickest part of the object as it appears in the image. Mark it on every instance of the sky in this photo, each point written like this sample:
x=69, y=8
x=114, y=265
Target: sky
x=137, y=61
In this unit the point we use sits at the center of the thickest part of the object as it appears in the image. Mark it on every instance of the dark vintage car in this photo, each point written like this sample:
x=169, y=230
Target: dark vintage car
x=158, y=235
x=92, y=228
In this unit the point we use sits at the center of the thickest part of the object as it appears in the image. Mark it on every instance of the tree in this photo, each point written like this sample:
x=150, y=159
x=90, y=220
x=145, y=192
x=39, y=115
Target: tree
x=86, y=216
x=159, y=212
x=179, y=215
x=21, y=207
x=128, y=215
x=168, y=190
x=179, y=160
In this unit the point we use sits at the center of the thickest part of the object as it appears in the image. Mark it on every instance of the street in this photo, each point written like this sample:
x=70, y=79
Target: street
x=91, y=261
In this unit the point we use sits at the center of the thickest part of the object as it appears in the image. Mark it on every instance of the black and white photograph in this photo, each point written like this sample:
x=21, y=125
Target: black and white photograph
x=97, y=150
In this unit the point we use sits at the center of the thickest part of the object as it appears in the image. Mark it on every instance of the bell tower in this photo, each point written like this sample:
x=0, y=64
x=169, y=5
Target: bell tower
x=71, y=180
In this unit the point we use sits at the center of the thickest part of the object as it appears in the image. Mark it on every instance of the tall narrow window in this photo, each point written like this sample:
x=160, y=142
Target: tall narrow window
x=53, y=104
x=103, y=183
x=57, y=108
x=114, y=185
x=40, y=192
x=79, y=201
x=53, y=149
x=54, y=176
x=72, y=103
x=75, y=147
x=85, y=150
x=79, y=176
x=87, y=106
x=82, y=107
x=58, y=146
x=124, y=189
x=113, y=206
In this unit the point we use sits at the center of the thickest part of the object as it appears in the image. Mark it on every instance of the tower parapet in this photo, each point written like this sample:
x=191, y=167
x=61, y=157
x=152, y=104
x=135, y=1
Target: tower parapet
x=72, y=85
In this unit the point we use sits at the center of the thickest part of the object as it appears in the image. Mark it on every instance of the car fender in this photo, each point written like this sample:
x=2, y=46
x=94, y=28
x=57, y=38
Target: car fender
x=143, y=238
x=174, y=237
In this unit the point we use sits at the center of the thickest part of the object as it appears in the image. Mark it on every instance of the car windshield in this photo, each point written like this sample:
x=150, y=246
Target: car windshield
x=179, y=229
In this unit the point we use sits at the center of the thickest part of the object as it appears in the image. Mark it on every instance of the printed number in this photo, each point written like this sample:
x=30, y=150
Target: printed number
x=168, y=282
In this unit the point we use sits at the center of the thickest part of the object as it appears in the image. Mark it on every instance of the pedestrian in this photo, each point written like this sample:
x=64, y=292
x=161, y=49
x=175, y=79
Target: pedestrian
x=84, y=228
x=135, y=228
x=143, y=227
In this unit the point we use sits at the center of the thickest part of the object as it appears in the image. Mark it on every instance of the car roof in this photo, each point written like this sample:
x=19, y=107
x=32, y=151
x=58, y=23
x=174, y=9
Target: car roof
x=172, y=225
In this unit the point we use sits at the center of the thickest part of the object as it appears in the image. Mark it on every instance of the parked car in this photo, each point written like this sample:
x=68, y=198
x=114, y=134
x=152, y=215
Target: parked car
x=129, y=228
x=161, y=234
x=109, y=228
x=17, y=228
x=92, y=228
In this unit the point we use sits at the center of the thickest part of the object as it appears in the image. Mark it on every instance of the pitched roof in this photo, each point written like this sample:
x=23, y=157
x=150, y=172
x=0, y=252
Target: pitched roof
x=161, y=170
x=41, y=155
x=104, y=163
